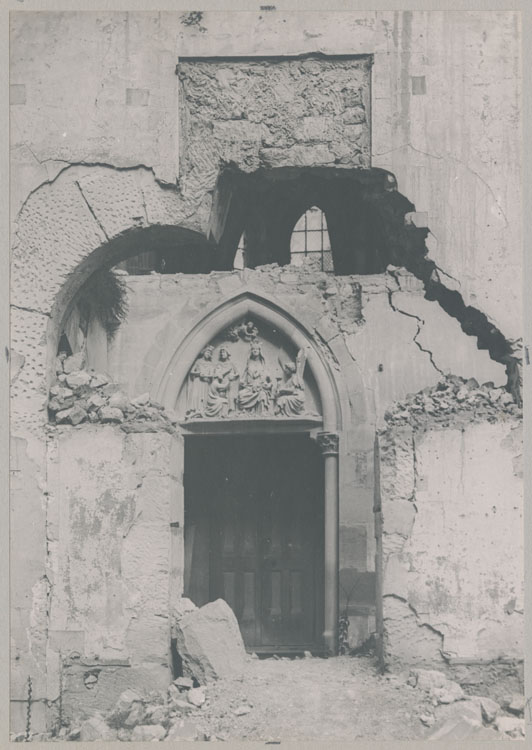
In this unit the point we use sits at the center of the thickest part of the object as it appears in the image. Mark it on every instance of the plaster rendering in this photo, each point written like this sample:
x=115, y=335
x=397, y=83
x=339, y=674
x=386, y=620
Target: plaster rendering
x=219, y=440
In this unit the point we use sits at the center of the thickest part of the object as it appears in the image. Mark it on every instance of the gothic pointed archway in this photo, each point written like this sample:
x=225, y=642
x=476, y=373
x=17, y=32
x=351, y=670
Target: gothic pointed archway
x=323, y=426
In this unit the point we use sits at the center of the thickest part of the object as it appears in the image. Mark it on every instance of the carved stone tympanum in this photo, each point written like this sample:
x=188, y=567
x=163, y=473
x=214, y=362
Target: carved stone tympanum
x=217, y=388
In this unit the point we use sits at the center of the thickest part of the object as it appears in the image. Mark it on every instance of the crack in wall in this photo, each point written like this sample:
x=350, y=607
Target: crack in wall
x=420, y=324
x=106, y=165
x=96, y=219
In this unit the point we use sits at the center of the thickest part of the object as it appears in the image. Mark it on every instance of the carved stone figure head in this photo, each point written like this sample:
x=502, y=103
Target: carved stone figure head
x=223, y=354
x=255, y=350
x=207, y=352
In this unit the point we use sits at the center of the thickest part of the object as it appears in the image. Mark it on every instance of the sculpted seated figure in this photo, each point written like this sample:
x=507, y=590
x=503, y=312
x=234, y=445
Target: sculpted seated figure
x=221, y=396
x=290, y=400
x=256, y=385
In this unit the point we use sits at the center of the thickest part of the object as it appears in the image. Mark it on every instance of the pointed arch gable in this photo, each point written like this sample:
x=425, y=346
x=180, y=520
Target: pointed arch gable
x=250, y=304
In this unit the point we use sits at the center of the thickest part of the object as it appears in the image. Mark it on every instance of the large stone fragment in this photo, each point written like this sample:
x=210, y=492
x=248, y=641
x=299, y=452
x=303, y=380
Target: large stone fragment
x=209, y=642
x=78, y=378
x=95, y=728
x=437, y=685
x=73, y=363
x=489, y=707
x=182, y=729
x=510, y=725
x=122, y=708
x=465, y=720
x=148, y=733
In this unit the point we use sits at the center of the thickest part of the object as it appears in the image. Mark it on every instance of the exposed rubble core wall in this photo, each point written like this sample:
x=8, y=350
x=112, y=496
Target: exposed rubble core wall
x=451, y=495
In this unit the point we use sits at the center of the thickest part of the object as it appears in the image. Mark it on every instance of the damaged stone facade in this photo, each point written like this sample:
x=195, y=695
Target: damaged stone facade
x=438, y=482
x=139, y=165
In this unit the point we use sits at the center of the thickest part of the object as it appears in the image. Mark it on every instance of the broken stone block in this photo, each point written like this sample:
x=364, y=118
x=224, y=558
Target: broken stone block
x=196, y=696
x=448, y=694
x=95, y=401
x=119, y=400
x=136, y=715
x=210, y=643
x=148, y=732
x=465, y=721
x=110, y=414
x=60, y=404
x=436, y=684
x=77, y=414
x=122, y=708
x=141, y=400
x=510, y=725
x=60, y=391
x=78, y=378
x=183, y=683
x=182, y=706
x=63, y=416
x=157, y=715
x=488, y=707
x=96, y=728
x=74, y=363
x=98, y=380
x=182, y=729
x=517, y=704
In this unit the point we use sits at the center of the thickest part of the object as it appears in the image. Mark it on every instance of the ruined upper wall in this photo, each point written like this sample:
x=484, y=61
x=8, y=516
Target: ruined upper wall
x=99, y=87
x=273, y=113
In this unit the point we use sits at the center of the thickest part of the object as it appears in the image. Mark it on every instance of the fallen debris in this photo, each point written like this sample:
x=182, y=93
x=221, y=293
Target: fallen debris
x=209, y=642
x=439, y=687
x=87, y=396
x=451, y=399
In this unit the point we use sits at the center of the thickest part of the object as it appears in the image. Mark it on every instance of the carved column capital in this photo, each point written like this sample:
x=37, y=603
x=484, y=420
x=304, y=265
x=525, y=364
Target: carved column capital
x=328, y=443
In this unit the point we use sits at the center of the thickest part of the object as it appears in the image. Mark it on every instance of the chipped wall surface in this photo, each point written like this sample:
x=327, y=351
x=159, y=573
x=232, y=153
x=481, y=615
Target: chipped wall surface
x=372, y=346
x=99, y=177
x=112, y=498
x=453, y=541
x=445, y=99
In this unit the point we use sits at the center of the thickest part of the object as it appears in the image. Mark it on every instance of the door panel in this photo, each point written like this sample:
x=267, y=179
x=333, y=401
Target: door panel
x=262, y=496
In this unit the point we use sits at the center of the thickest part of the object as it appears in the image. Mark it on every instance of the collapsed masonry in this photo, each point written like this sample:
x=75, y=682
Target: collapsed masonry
x=102, y=484
x=440, y=491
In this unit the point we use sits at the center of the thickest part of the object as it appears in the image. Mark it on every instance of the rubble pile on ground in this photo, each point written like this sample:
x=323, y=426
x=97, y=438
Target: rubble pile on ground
x=79, y=395
x=457, y=716
x=451, y=399
x=278, y=698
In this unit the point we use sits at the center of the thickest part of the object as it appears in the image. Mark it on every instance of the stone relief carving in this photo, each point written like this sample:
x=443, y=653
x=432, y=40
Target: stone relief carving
x=217, y=390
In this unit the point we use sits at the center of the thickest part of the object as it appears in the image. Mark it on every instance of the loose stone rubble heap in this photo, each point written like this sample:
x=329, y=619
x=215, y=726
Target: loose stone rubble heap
x=451, y=400
x=458, y=716
x=81, y=395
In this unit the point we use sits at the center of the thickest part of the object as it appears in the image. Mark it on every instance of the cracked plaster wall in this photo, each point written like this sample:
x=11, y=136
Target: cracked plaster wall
x=453, y=542
x=373, y=345
x=88, y=169
x=453, y=147
x=111, y=562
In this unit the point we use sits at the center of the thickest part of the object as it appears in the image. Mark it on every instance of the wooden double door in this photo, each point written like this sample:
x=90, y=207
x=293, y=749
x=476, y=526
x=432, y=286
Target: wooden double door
x=254, y=535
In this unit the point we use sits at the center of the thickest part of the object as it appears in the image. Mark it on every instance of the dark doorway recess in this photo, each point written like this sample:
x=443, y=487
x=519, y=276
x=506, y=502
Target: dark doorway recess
x=254, y=535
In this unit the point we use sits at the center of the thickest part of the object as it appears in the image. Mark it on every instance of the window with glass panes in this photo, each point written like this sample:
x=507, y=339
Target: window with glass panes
x=310, y=238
